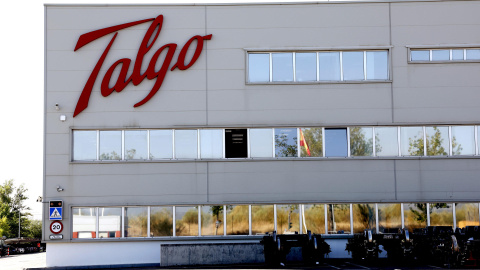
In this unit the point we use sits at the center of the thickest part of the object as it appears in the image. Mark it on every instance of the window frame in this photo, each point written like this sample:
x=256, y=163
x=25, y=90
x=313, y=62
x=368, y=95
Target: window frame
x=451, y=48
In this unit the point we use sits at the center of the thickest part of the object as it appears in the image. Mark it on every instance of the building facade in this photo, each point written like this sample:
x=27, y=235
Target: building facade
x=169, y=127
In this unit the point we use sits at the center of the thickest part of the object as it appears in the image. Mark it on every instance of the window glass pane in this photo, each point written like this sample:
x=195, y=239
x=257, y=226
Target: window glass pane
x=329, y=66
x=110, y=145
x=389, y=216
x=258, y=67
x=363, y=217
x=311, y=144
x=423, y=55
x=386, y=141
x=415, y=215
x=473, y=54
x=161, y=221
x=440, y=55
x=411, y=141
x=466, y=214
x=84, y=220
x=437, y=141
x=211, y=143
x=84, y=145
x=377, y=65
x=185, y=144
x=282, y=67
x=237, y=220
x=285, y=142
x=288, y=218
x=336, y=142
x=361, y=141
x=212, y=220
x=457, y=54
x=161, y=144
x=314, y=218
x=109, y=222
x=136, y=144
x=463, y=140
x=338, y=218
x=261, y=143
x=262, y=219
x=136, y=219
x=353, y=66
x=186, y=221
x=236, y=143
x=441, y=214
x=305, y=67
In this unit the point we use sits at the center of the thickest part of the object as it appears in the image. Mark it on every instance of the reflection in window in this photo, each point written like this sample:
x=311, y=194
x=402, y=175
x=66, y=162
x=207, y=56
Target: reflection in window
x=161, y=221
x=262, y=219
x=84, y=145
x=311, y=144
x=466, y=214
x=212, y=219
x=437, y=141
x=463, y=140
x=288, y=218
x=185, y=144
x=361, y=141
x=415, y=215
x=389, y=216
x=186, y=221
x=338, y=217
x=211, y=143
x=363, y=217
x=411, y=141
x=336, y=142
x=84, y=222
x=314, y=218
x=377, y=65
x=282, y=67
x=136, y=144
x=258, y=67
x=237, y=220
x=110, y=145
x=305, y=67
x=261, y=142
x=161, y=144
x=329, y=66
x=136, y=221
x=109, y=222
x=285, y=142
x=353, y=66
x=441, y=214
x=386, y=141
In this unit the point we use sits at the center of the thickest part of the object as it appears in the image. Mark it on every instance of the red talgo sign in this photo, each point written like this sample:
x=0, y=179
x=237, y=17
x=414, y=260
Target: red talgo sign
x=136, y=77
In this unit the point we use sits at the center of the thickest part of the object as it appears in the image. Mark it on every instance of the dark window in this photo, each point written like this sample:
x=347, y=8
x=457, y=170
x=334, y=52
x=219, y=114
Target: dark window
x=336, y=142
x=236, y=143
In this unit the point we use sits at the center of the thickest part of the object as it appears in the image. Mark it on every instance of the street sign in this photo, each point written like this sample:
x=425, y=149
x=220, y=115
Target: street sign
x=56, y=208
x=56, y=227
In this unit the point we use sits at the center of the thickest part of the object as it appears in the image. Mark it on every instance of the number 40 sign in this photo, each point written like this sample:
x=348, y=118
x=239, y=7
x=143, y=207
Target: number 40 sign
x=56, y=227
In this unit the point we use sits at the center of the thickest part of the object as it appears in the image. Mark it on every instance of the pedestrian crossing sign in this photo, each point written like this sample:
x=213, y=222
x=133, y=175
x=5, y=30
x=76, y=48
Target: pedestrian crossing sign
x=56, y=210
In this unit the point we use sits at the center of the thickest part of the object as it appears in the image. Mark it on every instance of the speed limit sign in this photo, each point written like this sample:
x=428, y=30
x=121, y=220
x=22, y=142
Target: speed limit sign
x=56, y=227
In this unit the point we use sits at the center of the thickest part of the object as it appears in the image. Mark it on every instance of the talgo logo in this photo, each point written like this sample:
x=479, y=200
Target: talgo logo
x=136, y=77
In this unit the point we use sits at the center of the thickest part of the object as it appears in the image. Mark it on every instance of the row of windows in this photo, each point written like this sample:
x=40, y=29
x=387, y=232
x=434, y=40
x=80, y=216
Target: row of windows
x=318, y=66
x=211, y=220
x=454, y=54
x=96, y=145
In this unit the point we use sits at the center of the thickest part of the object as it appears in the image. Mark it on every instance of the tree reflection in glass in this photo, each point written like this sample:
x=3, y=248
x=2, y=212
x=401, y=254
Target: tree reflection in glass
x=110, y=145
x=415, y=215
x=361, y=141
x=288, y=219
x=186, y=221
x=314, y=218
x=412, y=142
x=466, y=214
x=311, y=144
x=161, y=221
x=262, y=219
x=338, y=218
x=363, y=217
x=389, y=216
x=136, y=219
x=441, y=214
x=286, y=142
x=212, y=220
x=237, y=220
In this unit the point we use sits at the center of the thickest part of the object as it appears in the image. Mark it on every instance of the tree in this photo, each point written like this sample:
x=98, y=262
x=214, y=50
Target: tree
x=359, y=144
x=434, y=145
x=11, y=206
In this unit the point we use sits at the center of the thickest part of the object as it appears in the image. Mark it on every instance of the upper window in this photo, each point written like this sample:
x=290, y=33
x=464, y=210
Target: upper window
x=322, y=66
x=444, y=55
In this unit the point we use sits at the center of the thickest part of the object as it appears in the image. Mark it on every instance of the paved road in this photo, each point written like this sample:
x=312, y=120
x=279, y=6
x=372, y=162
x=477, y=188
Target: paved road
x=20, y=261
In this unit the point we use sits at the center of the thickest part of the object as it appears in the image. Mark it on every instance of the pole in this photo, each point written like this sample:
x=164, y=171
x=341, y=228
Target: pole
x=19, y=215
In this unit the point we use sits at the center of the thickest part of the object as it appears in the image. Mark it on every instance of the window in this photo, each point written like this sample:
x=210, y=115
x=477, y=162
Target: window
x=437, y=141
x=329, y=66
x=336, y=142
x=186, y=144
x=84, y=222
x=441, y=214
x=415, y=215
x=338, y=216
x=84, y=145
x=212, y=220
x=444, y=55
x=288, y=218
x=237, y=220
x=161, y=221
x=110, y=145
x=136, y=221
x=377, y=65
x=136, y=144
x=282, y=67
x=261, y=142
x=285, y=142
x=364, y=217
x=161, y=144
x=186, y=221
x=314, y=218
x=412, y=141
x=109, y=222
x=305, y=67
x=466, y=214
x=211, y=143
x=389, y=216
x=361, y=141
x=262, y=219
x=236, y=143
x=463, y=140
x=386, y=141
x=352, y=66
x=258, y=67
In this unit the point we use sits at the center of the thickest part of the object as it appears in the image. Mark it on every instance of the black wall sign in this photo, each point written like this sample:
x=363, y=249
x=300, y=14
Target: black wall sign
x=236, y=143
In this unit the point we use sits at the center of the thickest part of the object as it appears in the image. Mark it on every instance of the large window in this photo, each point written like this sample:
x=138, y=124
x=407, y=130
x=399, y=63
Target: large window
x=322, y=66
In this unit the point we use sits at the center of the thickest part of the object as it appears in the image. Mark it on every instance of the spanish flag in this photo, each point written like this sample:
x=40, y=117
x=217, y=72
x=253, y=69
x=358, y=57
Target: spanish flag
x=304, y=143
